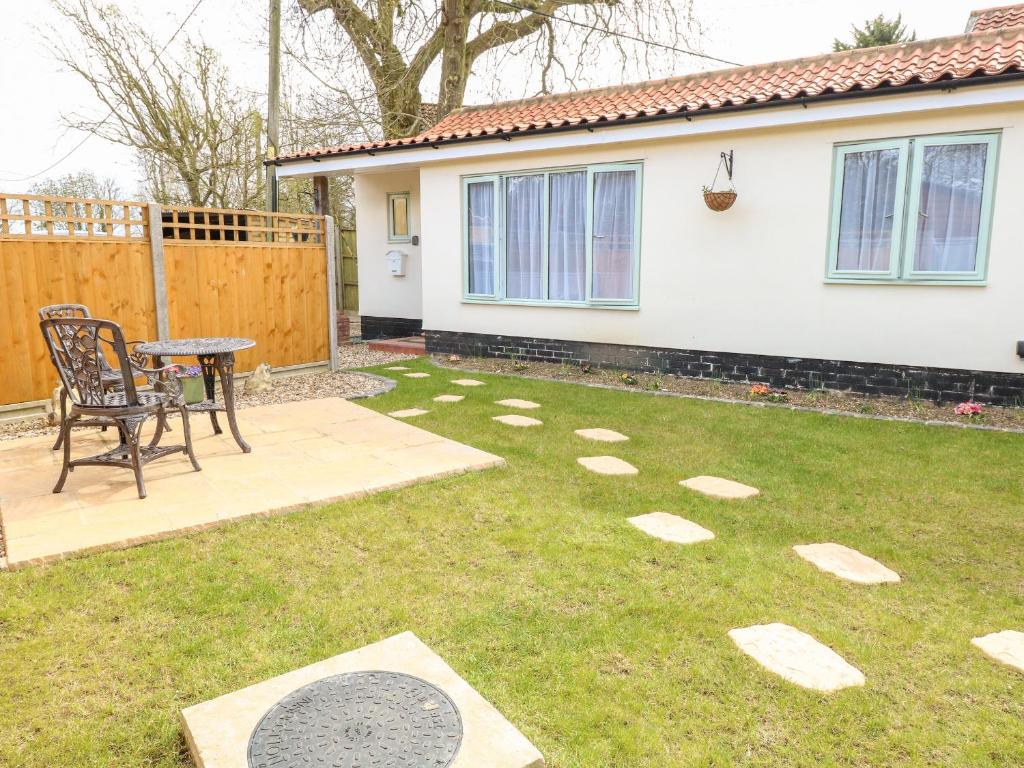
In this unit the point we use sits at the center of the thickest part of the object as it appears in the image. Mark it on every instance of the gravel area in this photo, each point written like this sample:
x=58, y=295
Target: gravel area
x=361, y=356
x=907, y=409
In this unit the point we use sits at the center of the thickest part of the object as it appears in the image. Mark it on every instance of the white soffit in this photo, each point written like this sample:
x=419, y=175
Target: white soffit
x=795, y=113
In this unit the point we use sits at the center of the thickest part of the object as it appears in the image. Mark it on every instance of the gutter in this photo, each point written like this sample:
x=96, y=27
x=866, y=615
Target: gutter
x=805, y=101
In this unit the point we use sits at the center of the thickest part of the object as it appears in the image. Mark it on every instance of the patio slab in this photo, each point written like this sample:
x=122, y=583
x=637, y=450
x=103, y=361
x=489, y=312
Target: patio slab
x=607, y=465
x=468, y=382
x=218, y=731
x=1006, y=647
x=514, y=402
x=719, y=487
x=515, y=420
x=602, y=435
x=449, y=398
x=417, y=375
x=304, y=453
x=668, y=527
x=406, y=413
x=846, y=563
x=797, y=657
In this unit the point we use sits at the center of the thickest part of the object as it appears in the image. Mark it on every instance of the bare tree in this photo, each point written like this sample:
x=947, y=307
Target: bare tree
x=399, y=43
x=198, y=138
x=82, y=184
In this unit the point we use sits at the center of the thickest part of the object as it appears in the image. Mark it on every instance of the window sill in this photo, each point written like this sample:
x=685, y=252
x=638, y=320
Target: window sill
x=975, y=283
x=552, y=304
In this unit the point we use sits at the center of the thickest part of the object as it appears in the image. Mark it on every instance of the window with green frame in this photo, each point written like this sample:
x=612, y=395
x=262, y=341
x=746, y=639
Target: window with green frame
x=399, y=227
x=913, y=210
x=563, y=236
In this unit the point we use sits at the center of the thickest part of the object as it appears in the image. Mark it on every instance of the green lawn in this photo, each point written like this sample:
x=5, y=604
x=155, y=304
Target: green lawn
x=604, y=646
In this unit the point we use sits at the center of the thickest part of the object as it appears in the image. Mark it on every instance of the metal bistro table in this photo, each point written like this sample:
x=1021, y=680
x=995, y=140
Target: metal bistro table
x=216, y=357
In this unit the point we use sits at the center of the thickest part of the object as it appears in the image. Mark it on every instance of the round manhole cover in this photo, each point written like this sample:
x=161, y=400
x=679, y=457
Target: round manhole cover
x=359, y=720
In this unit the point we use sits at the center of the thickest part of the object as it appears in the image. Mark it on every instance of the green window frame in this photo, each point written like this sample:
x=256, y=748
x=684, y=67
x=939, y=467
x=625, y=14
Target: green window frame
x=495, y=290
x=397, y=234
x=907, y=211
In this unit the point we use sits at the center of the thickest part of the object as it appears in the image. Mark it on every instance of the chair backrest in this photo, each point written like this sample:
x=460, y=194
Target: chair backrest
x=77, y=348
x=61, y=311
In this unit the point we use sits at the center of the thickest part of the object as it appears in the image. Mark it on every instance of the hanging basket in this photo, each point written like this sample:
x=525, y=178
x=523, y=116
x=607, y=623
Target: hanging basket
x=719, y=201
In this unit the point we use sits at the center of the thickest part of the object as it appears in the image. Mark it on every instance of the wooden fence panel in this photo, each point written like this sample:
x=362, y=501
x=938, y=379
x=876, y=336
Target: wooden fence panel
x=273, y=294
x=349, y=273
x=114, y=279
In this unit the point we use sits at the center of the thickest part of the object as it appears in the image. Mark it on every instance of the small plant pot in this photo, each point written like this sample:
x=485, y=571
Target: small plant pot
x=193, y=389
x=719, y=201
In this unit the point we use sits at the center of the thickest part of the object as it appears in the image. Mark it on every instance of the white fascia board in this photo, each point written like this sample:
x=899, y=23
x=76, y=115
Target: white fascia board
x=958, y=95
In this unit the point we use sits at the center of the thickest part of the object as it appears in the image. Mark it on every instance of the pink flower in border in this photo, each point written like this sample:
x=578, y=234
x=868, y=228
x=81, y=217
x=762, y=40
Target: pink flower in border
x=969, y=408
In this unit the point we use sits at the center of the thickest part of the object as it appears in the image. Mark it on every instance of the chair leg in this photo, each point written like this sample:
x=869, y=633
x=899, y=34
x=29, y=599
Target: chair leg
x=134, y=435
x=65, y=438
x=187, y=432
x=63, y=418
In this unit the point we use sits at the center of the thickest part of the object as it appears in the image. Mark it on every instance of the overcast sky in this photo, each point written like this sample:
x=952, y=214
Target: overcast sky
x=36, y=92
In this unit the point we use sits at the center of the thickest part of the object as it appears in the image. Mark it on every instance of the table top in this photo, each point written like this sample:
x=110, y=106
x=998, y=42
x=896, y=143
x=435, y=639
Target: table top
x=214, y=345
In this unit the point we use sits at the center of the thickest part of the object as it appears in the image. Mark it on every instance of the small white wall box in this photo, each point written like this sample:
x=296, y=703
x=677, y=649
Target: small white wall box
x=396, y=263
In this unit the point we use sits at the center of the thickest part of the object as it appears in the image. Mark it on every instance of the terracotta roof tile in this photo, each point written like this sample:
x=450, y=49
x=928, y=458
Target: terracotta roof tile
x=991, y=53
x=996, y=18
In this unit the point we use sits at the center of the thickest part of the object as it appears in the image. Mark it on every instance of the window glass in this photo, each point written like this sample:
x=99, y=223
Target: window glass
x=868, y=208
x=481, y=233
x=950, y=207
x=399, y=216
x=614, y=241
x=567, y=236
x=524, y=237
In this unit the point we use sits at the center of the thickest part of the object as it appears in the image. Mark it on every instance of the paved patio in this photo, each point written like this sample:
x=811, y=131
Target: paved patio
x=303, y=453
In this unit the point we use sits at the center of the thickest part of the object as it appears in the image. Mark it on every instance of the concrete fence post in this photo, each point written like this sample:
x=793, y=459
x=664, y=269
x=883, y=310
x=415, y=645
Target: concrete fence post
x=331, y=249
x=156, y=254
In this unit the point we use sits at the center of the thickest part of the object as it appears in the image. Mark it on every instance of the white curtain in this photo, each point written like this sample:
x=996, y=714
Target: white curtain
x=949, y=212
x=614, y=236
x=481, y=237
x=866, y=216
x=524, y=233
x=567, y=233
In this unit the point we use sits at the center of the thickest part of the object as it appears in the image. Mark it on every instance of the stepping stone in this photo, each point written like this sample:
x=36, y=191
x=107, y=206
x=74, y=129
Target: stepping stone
x=602, y=435
x=514, y=420
x=416, y=375
x=719, y=487
x=525, y=405
x=407, y=412
x=1006, y=647
x=797, y=657
x=467, y=382
x=397, y=368
x=449, y=398
x=662, y=525
x=607, y=465
x=846, y=563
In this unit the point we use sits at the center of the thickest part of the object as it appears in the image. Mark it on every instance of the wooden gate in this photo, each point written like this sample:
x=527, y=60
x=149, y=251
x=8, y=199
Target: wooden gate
x=349, y=272
x=161, y=272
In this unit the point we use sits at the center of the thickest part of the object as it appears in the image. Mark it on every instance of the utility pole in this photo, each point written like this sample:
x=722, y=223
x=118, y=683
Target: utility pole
x=273, y=102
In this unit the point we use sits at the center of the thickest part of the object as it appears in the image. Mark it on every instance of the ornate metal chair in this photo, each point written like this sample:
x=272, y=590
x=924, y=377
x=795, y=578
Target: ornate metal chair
x=110, y=378
x=77, y=347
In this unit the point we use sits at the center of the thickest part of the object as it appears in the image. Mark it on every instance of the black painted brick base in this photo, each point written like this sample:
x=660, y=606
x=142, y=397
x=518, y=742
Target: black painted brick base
x=940, y=384
x=389, y=327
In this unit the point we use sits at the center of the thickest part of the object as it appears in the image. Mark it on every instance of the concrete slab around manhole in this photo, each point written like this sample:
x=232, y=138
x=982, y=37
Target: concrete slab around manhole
x=406, y=413
x=1006, y=647
x=797, y=657
x=607, y=465
x=719, y=487
x=218, y=731
x=467, y=382
x=515, y=420
x=449, y=398
x=667, y=527
x=525, y=405
x=846, y=563
x=602, y=435
x=417, y=375
x=306, y=452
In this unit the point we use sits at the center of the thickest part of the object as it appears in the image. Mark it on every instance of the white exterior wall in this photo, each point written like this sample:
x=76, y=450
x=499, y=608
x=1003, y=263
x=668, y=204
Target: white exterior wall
x=752, y=279
x=380, y=293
